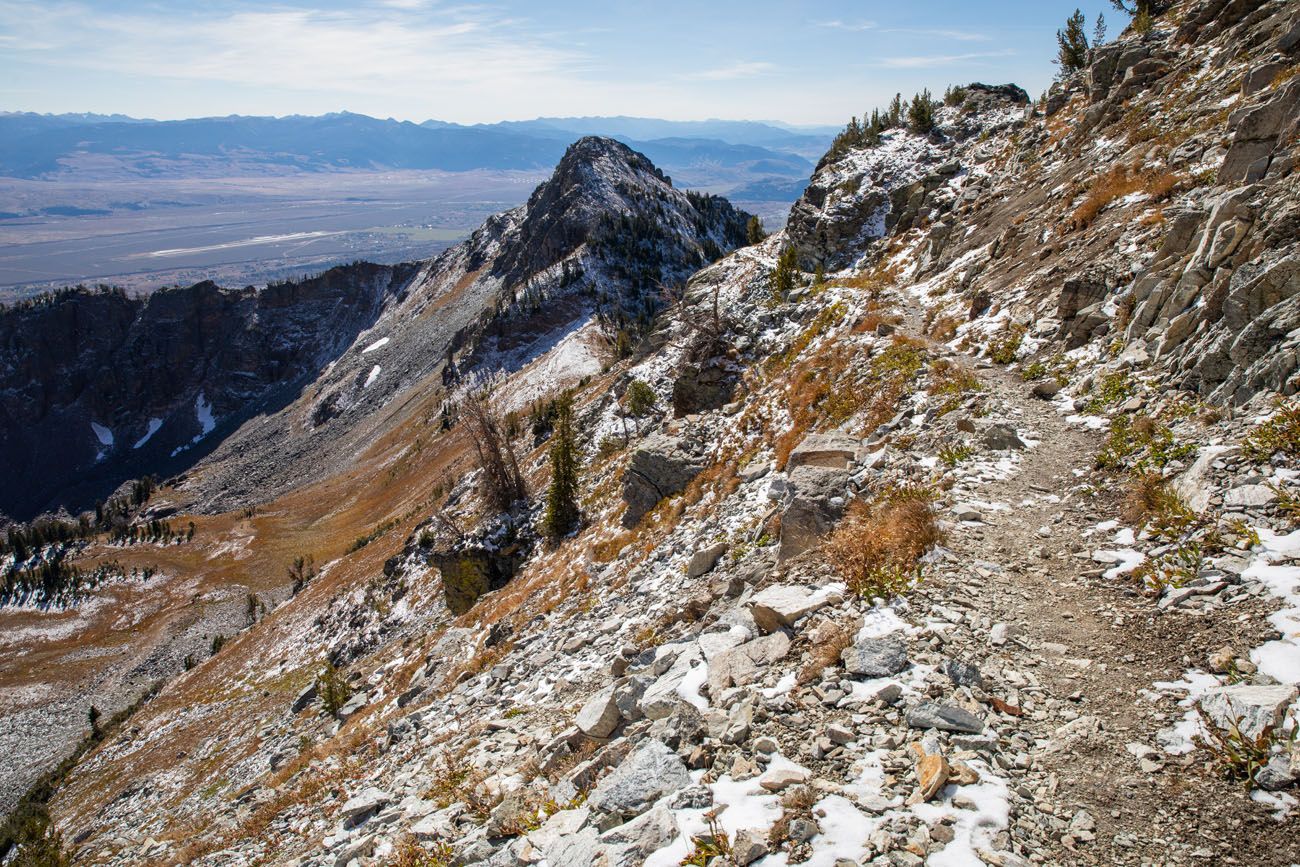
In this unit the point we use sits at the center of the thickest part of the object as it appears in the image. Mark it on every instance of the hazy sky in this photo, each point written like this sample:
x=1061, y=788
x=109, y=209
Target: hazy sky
x=800, y=62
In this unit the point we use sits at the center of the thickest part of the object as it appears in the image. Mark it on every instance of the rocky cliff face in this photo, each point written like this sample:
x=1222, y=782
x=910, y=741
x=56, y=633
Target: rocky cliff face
x=989, y=555
x=97, y=388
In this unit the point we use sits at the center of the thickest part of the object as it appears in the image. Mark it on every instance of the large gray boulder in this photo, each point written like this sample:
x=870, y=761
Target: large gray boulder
x=945, y=717
x=816, y=505
x=661, y=466
x=641, y=779
x=1256, y=134
x=783, y=605
x=835, y=450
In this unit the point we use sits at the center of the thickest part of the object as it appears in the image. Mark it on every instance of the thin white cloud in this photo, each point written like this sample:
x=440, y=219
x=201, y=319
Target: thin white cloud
x=743, y=69
x=360, y=51
x=927, y=61
x=837, y=24
x=957, y=35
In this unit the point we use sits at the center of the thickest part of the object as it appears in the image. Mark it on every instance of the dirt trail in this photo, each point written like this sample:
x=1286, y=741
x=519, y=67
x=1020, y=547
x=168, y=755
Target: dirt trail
x=1097, y=648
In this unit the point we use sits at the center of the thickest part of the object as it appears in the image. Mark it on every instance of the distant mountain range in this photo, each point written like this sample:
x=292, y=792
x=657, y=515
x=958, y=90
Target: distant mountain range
x=763, y=157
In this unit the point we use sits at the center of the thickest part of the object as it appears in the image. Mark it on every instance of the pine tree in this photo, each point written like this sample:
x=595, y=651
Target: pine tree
x=1099, y=31
x=784, y=276
x=754, y=233
x=896, y=108
x=920, y=113
x=1147, y=9
x=1072, y=54
x=92, y=716
x=562, y=496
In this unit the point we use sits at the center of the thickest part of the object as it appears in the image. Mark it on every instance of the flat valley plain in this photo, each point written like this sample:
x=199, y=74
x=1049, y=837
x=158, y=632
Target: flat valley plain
x=143, y=233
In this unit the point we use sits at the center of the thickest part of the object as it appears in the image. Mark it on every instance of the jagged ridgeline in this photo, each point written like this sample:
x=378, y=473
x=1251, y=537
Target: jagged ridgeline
x=97, y=388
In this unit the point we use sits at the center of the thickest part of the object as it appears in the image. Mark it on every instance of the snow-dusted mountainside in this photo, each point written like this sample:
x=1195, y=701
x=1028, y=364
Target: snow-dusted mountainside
x=981, y=549
x=284, y=383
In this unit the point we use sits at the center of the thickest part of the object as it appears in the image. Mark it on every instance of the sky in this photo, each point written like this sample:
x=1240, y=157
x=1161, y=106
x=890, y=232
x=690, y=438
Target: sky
x=791, y=61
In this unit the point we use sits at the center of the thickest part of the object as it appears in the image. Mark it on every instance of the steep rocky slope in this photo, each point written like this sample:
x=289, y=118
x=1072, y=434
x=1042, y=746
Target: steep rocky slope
x=1049, y=373
x=255, y=395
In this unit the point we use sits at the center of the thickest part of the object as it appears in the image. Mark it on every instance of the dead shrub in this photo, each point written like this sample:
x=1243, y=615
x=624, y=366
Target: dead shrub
x=877, y=548
x=1150, y=500
x=825, y=654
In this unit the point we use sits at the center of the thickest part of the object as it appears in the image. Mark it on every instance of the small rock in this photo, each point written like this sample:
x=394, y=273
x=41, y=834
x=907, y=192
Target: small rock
x=781, y=779
x=876, y=656
x=946, y=717
x=748, y=847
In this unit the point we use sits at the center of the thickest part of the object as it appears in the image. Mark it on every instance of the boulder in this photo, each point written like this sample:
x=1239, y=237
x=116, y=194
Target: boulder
x=816, y=504
x=661, y=466
x=877, y=656
x=835, y=450
x=642, y=778
x=600, y=715
x=705, y=559
x=633, y=841
x=1252, y=708
x=1246, y=496
x=748, y=847
x=783, y=605
x=1256, y=133
x=363, y=805
x=1001, y=437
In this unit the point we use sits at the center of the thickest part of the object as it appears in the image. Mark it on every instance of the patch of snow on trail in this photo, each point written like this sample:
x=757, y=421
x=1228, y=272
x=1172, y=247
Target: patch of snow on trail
x=974, y=829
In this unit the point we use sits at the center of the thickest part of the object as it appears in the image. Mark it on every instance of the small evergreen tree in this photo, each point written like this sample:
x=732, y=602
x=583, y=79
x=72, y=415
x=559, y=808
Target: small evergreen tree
x=1099, y=31
x=92, y=717
x=754, y=233
x=1072, y=42
x=1143, y=12
x=894, y=118
x=640, y=398
x=332, y=689
x=783, y=278
x=920, y=113
x=562, y=496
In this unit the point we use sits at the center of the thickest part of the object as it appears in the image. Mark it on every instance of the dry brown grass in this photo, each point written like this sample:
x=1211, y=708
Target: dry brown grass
x=825, y=654
x=1119, y=182
x=878, y=547
x=1149, y=499
x=944, y=328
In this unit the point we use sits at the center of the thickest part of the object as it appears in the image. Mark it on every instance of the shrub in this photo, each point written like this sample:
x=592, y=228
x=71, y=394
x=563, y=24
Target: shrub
x=1150, y=500
x=1279, y=434
x=954, y=454
x=1112, y=388
x=1004, y=347
x=503, y=482
x=411, y=853
x=1237, y=756
x=783, y=278
x=640, y=398
x=878, y=547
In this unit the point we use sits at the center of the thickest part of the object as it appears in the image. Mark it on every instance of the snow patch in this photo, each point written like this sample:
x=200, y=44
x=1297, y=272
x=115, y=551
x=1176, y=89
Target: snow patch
x=373, y=375
x=103, y=434
x=378, y=344
x=154, y=424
